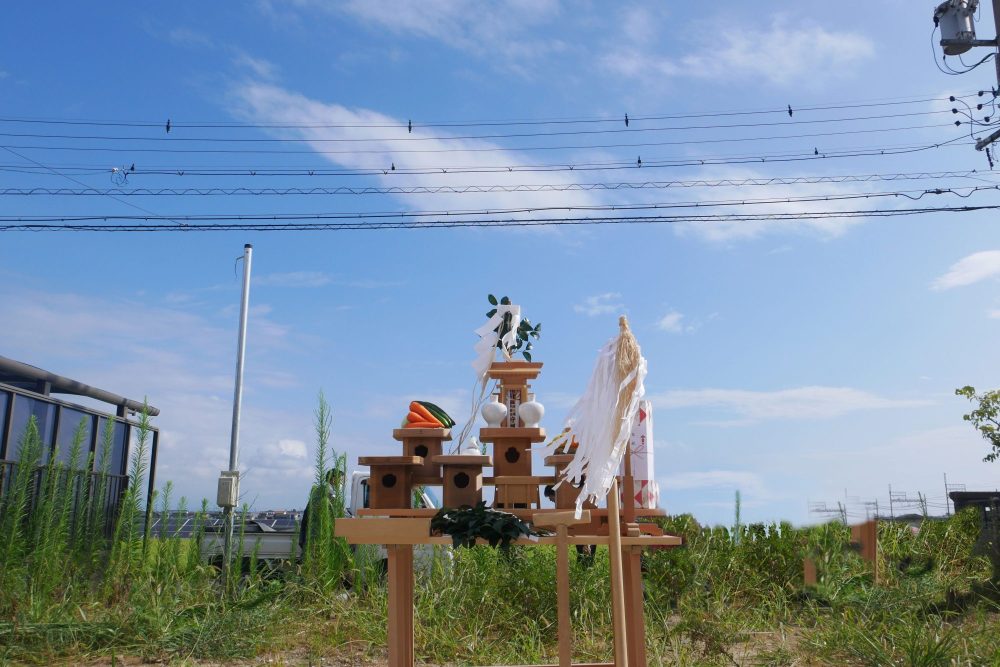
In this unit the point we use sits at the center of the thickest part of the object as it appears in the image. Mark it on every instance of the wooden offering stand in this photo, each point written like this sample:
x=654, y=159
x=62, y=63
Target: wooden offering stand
x=392, y=521
x=427, y=444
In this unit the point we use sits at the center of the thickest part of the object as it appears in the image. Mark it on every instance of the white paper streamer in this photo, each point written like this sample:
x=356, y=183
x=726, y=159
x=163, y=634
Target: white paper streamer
x=488, y=338
x=592, y=420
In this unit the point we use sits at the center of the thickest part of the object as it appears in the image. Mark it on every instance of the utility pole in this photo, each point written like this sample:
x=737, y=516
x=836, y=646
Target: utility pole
x=892, y=515
x=229, y=480
x=947, y=510
x=956, y=19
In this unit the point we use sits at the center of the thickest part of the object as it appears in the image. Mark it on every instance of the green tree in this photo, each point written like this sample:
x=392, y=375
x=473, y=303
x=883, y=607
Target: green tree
x=985, y=418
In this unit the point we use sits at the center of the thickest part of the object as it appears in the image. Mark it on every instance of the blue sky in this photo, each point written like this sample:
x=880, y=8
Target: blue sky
x=791, y=360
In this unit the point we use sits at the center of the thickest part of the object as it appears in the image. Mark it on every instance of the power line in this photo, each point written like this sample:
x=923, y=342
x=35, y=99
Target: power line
x=782, y=110
x=515, y=135
x=73, y=180
x=478, y=149
x=913, y=195
x=497, y=187
x=322, y=222
x=652, y=163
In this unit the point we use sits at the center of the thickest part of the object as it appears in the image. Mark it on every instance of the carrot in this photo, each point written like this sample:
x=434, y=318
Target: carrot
x=423, y=425
x=414, y=417
x=425, y=413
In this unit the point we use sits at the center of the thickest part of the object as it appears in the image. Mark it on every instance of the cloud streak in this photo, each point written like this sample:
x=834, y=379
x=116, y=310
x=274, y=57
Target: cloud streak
x=671, y=322
x=600, y=304
x=811, y=402
x=385, y=146
x=782, y=54
x=969, y=270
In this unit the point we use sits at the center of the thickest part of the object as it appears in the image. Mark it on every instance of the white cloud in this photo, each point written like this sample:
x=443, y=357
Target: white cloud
x=499, y=29
x=421, y=149
x=767, y=198
x=971, y=269
x=714, y=479
x=799, y=403
x=321, y=279
x=671, y=322
x=783, y=54
x=182, y=362
x=263, y=69
x=600, y=304
x=293, y=449
x=190, y=38
x=294, y=279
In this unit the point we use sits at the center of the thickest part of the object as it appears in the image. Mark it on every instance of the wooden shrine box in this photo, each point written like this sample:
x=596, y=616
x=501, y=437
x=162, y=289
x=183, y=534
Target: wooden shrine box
x=425, y=443
x=510, y=448
x=463, y=478
x=566, y=493
x=514, y=377
x=391, y=480
x=515, y=486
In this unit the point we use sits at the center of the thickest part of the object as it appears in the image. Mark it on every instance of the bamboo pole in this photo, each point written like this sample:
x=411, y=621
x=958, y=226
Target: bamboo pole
x=617, y=583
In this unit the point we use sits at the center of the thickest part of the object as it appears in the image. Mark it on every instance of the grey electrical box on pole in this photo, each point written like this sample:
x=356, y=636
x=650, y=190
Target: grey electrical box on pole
x=229, y=480
x=958, y=29
x=956, y=20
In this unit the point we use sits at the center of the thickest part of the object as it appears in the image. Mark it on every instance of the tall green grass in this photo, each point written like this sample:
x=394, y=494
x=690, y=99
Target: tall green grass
x=74, y=587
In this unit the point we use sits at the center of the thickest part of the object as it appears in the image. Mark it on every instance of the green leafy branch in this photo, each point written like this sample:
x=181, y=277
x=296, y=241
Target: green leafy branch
x=525, y=330
x=985, y=418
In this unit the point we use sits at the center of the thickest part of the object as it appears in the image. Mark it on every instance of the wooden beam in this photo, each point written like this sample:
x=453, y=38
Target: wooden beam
x=520, y=479
x=417, y=531
x=391, y=460
x=526, y=514
x=507, y=433
x=565, y=518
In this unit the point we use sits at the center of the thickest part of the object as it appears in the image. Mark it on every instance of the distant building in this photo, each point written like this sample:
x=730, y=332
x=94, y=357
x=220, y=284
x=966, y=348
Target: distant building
x=27, y=391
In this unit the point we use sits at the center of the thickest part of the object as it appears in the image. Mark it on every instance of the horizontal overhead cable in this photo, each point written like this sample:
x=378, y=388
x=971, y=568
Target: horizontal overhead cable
x=651, y=163
x=379, y=215
x=778, y=110
x=444, y=223
x=494, y=188
x=475, y=149
x=408, y=137
x=913, y=195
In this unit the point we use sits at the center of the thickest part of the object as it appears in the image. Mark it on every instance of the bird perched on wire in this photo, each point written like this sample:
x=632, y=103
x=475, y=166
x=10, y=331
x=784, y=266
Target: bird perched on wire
x=168, y=126
x=789, y=110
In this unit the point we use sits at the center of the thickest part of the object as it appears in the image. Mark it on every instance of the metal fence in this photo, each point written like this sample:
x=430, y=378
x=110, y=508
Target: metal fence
x=103, y=491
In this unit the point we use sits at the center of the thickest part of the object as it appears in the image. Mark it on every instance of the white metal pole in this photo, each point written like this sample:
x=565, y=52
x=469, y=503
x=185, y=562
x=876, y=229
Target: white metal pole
x=234, y=438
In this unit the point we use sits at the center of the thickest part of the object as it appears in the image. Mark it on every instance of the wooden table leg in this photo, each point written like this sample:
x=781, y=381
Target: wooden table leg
x=400, y=605
x=617, y=578
x=634, y=605
x=562, y=597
